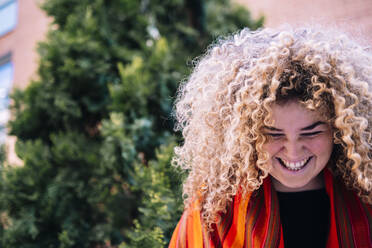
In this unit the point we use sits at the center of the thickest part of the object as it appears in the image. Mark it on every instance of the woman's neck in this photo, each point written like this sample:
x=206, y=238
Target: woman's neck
x=316, y=183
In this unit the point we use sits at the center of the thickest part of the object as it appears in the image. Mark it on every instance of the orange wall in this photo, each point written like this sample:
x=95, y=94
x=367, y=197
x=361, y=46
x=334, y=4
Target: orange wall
x=354, y=16
x=31, y=27
x=22, y=41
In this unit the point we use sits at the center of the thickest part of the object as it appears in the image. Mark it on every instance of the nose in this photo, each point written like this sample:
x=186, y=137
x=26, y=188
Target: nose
x=293, y=149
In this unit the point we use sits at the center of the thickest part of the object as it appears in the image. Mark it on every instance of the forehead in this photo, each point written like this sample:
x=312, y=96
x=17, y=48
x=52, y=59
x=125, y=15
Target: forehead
x=293, y=115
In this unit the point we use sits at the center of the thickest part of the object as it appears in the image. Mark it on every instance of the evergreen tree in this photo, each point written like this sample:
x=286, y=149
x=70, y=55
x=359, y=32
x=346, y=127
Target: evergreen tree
x=2, y=155
x=95, y=131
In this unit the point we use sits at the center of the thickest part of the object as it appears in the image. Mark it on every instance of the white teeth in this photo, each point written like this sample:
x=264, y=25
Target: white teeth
x=295, y=165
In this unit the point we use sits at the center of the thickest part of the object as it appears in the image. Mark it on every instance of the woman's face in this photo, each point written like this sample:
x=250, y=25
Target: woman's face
x=300, y=145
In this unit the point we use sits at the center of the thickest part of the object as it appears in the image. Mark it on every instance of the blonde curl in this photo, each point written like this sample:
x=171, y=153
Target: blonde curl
x=223, y=106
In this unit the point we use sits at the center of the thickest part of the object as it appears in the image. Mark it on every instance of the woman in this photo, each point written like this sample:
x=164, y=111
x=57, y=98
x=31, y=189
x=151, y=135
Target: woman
x=277, y=142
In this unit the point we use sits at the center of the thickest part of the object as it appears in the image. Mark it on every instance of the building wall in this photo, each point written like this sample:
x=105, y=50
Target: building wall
x=353, y=16
x=21, y=42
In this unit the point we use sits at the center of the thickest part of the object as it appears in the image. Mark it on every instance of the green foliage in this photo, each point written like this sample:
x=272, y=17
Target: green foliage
x=145, y=237
x=222, y=20
x=161, y=204
x=47, y=198
x=95, y=130
x=2, y=155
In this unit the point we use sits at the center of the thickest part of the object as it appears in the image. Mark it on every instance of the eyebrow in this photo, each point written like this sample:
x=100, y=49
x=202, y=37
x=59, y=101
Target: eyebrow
x=310, y=127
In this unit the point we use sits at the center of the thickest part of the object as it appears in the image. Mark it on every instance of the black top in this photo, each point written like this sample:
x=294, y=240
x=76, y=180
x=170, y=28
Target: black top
x=305, y=218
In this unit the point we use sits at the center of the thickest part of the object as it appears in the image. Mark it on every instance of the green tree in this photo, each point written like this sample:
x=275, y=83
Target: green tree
x=2, y=155
x=95, y=131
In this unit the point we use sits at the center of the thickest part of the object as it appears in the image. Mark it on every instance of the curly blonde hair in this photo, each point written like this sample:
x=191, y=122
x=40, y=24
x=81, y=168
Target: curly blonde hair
x=223, y=106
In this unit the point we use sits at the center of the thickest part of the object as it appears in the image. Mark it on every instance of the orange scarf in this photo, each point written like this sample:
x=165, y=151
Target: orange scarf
x=253, y=220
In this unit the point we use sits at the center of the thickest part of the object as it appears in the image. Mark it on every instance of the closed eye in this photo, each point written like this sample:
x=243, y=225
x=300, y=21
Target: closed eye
x=275, y=135
x=311, y=133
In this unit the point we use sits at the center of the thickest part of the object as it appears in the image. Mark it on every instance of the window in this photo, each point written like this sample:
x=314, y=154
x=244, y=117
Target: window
x=8, y=16
x=6, y=80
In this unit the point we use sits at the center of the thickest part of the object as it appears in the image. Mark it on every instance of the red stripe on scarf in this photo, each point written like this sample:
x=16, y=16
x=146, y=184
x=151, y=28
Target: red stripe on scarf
x=255, y=205
x=235, y=237
x=332, y=241
x=263, y=229
x=360, y=224
x=259, y=234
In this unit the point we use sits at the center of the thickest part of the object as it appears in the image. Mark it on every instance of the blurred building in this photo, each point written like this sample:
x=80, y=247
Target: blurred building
x=22, y=25
x=353, y=16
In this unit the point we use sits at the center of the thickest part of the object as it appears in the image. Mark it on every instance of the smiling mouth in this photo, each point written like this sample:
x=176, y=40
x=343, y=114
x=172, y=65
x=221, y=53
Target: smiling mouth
x=294, y=166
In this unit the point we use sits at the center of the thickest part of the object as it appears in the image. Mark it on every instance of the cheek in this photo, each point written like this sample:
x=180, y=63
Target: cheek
x=322, y=146
x=272, y=148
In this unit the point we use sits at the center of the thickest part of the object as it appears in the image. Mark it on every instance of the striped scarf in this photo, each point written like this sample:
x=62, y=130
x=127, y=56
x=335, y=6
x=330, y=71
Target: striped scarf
x=253, y=220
